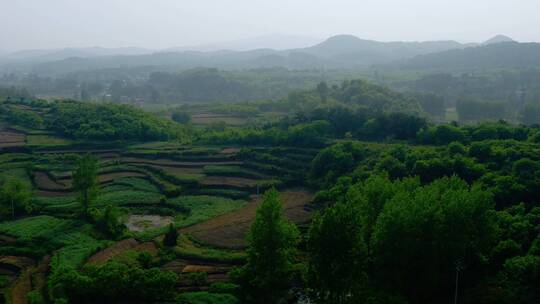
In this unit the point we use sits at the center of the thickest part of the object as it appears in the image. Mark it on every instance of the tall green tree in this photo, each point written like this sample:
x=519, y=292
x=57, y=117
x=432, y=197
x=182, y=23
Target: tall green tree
x=337, y=255
x=272, y=246
x=14, y=195
x=322, y=89
x=171, y=237
x=423, y=231
x=85, y=181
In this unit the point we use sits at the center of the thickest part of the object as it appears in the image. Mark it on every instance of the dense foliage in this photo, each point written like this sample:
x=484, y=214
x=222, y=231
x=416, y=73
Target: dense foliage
x=112, y=282
x=272, y=240
x=401, y=238
x=110, y=122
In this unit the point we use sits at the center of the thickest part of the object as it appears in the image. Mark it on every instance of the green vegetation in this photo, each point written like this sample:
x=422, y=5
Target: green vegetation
x=203, y=207
x=85, y=181
x=207, y=298
x=37, y=236
x=403, y=202
x=112, y=282
x=14, y=197
x=171, y=237
x=272, y=241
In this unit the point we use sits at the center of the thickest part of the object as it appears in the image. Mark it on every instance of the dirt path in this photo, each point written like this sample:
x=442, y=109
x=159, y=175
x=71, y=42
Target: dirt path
x=229, y=230
x=21, y=288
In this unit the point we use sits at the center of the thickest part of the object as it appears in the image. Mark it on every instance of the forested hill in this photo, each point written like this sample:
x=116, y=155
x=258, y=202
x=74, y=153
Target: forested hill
x=342, y=51
x=348, y=49
x=491, y=56
x=87, y=121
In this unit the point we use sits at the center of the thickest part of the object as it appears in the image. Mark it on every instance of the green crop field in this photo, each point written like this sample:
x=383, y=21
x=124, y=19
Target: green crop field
x=203, y=207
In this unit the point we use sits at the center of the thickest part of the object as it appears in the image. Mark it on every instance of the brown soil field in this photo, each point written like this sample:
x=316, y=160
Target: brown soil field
x=63, y=186
x=172, y=163
x=149, y=247
x=206, y=119
x=7, y=239
x=44, y=182
x=45, y=193
x=93, y=151
x=139, y=223
x=178, y=170
x=120, y=247
x=229, y=230
x=229, y=181
x=17, y=261
x=190, y=266
x=114, y=250
x=109, y=177
x=11, y=139
x=229, y=151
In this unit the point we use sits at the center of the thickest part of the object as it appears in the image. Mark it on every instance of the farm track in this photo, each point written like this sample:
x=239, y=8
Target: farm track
x=31, y=277
x=22, y=286
x=229, y=230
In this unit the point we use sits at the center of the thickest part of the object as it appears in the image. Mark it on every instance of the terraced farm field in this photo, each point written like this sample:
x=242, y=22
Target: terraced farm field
x=9, y=138
x=209, y=193
x=229, y=230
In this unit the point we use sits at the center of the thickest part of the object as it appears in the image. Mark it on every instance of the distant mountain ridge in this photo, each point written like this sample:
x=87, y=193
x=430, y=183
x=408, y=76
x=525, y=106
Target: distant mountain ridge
x=492, y=55
x=498, y=39
x=341, y=51
x=349, y=49
x=61, y=54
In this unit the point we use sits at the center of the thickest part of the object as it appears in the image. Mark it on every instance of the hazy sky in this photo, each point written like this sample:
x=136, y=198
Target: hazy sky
x=166, y=23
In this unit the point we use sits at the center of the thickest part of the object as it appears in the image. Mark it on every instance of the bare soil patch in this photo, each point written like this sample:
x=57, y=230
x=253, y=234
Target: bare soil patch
x=109, y=177
x=229, y=230
x=11, y=139
x=149, y=247
x=139, y=223
x=178, y=170
x=45, y=193
x=112, y=251
x=45, y=182
x=6, y=239
x=229, y=151
x=18, y=262
x=229, y=181
x=190, y=266
x=119, y=248
x=209, y=118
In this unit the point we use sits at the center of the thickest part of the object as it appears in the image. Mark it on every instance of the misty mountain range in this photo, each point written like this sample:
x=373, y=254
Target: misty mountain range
x=337, y=52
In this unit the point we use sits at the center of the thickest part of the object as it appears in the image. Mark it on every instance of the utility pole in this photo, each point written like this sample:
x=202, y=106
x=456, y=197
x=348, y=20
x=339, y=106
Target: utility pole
x=459, y=267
